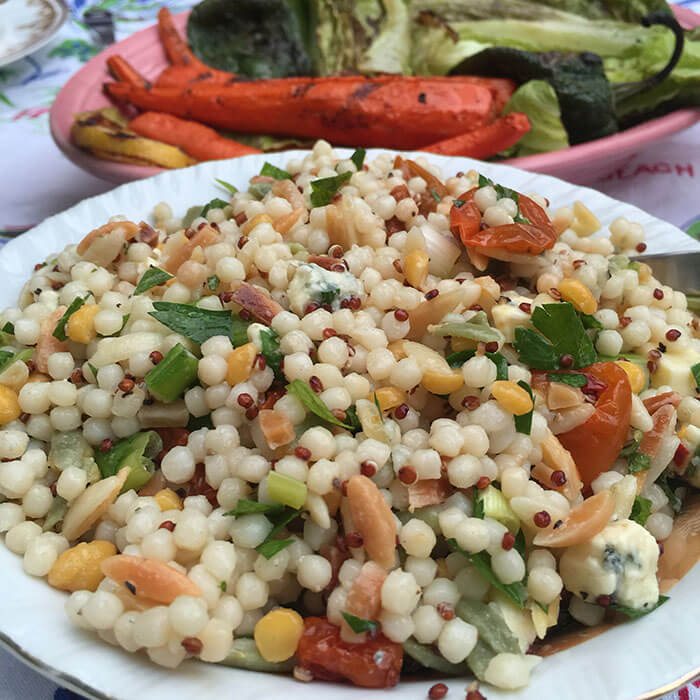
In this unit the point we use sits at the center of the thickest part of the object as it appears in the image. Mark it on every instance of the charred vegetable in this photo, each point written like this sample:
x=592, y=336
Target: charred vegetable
x=255, y=38
x=104, y=134
x=586, y=97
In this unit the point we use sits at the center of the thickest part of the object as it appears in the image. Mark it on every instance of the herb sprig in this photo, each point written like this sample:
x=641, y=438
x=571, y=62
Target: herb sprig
x=482, y=562
x=308, y=397
x=153, y=277
x=194, y=323
x=60, y=330
x=562, y=333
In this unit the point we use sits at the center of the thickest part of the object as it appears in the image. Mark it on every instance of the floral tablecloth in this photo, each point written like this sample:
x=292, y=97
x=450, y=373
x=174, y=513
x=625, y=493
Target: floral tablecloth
x=36, y=181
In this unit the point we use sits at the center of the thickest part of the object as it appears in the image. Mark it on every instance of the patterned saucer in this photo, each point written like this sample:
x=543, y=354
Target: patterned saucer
x=26, y=25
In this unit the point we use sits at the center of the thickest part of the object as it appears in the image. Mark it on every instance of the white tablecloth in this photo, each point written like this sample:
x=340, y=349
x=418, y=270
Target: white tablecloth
x=36, y=181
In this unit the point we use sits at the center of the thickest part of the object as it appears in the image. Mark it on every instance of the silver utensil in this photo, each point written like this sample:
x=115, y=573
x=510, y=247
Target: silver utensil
x=677, y=270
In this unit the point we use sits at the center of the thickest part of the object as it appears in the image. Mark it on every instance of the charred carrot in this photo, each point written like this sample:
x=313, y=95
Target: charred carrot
x=174, y=76
x=486, y=140
x=125, y=72
x=181, y=75
x=176, y=48
x=197, y=140
x=402, y=112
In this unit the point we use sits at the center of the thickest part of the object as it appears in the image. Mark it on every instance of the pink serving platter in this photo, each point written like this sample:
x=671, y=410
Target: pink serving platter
x=580, y=164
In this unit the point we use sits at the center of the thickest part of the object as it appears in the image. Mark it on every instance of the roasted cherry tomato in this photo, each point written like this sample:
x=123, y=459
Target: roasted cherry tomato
x=596, y=444
x=375, y=663
x=524, y=239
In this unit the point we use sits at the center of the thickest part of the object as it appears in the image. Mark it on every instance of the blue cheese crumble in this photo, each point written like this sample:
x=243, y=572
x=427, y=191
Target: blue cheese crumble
x=620, y=561
x=312, y=283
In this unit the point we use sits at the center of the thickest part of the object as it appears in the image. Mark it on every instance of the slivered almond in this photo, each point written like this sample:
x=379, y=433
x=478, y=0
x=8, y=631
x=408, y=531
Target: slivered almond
x=373, y=519
x=654, y=403
x=557, y=457
x=150, y=579
x=289, y=191
x=428, y=492
x=92, y=504
x=284, y=223
x=205, y=237
x=130, y=230
x=47, y=344
x=258, y=302
x=432, y=311
x=560, y=395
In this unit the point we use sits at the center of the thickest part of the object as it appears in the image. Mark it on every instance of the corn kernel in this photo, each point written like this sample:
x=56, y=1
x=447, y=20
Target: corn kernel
x=511, y=397
x=442, y=382
x=81, y=325
x=248, y=226
x=585, y=222
x=389, y=397
x=277, y=634
x=167, y=499
x=417, y=268
x=79, y=568
x=9, y=405
x=634, y=373
x=578, y=294
x=240, y=363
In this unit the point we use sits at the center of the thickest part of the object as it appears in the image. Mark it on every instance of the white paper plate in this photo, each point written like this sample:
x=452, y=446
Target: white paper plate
x=642, y=657
x=26, y=25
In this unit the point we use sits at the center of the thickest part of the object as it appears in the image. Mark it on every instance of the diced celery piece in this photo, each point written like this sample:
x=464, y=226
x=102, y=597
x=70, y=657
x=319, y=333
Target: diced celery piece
x=244, y=654
x=496, y=507
x=173, y=375
x=285, y=490
x=491, y=625
x=136, y=453
x=425, y=656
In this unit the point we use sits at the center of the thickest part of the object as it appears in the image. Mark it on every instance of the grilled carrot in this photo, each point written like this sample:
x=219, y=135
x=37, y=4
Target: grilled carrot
x=125, y=72
x=197, y=140
x=175, y=46
x=174, y=76
x=402, y=112
x=181, y=75
x=486, y=140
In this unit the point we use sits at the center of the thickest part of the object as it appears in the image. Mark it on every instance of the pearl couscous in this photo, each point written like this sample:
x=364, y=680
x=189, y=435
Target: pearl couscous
x=358, y=417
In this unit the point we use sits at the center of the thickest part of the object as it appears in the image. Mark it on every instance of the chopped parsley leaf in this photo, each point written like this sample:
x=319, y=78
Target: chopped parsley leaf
x=562, y=334
x=634, y=613
x=695, y=369
x=270, y=170
x=358, y=157
x=269, y=549
x=570, y=378
x=227, y=185
x=640, y=510
x=153, y=277
x=324, y=189
x=359, y=624
x=215, y=203
x=60, y=330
